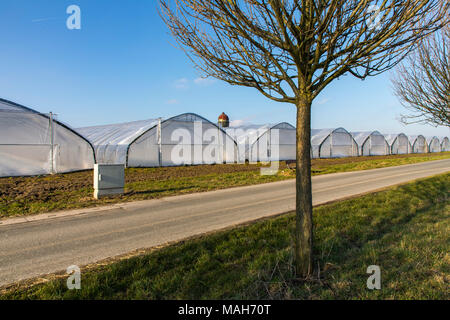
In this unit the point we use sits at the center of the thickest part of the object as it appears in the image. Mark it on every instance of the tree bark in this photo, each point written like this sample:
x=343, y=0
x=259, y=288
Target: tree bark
x=304, y=223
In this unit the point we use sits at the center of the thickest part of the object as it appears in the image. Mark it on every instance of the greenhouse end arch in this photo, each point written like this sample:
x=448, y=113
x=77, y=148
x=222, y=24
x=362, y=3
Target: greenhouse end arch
x=245, y=136
x=278, y=143
x=445, y=144
x=433, y=144
x=418, y=144
x=371, y=143
x=186, y=139
x=264, y=143
x=398, y=143
x=33, y=143
x=333, y=143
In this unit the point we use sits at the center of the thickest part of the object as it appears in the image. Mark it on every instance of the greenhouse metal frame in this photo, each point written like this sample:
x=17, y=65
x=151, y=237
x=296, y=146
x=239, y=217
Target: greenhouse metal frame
x=34, y=143
x=245, y=136
x=371, y=143
x=433, y=144
x=265, y=143
x=283, y=137
x=333, y=143
x=445, y=144
x=150, y=143
x=398, y=143
x=418, y=144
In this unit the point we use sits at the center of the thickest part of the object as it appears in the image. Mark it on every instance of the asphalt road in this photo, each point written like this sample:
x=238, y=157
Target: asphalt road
x=51, y=243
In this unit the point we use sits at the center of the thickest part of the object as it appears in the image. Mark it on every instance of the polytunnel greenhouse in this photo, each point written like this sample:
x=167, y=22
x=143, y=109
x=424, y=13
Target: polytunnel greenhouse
x=333, y=143
x=371, y=143
x=181, y=140
x=398, y=143
x=445, y=144
x=433, y=144
x=418, y=144
x=264, y=142
x=33, y=143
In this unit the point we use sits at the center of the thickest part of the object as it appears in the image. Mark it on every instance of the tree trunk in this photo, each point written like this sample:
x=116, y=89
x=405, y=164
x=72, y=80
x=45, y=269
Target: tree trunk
x=304, y=223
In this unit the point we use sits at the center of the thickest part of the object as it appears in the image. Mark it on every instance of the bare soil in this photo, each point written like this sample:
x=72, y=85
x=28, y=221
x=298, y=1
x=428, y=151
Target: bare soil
x=42, y=187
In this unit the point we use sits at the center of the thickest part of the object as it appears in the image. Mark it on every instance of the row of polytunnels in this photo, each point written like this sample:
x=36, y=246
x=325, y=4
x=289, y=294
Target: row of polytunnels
x=33, y=143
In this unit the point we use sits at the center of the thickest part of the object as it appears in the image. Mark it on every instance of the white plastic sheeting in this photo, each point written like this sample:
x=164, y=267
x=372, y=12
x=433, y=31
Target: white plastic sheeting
x=276, y=144
x=245, y=136
x=32, y=143
x=182, y=140
x=433, y=144
x=264, y=142
x=371, y=143
x=333, y=143
x=111, y=142
x=445, y=144
x=418, y=144
x=398, y=143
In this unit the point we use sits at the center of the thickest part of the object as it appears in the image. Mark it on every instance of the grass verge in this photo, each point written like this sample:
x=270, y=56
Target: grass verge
x=33, y=195
x=404, y=230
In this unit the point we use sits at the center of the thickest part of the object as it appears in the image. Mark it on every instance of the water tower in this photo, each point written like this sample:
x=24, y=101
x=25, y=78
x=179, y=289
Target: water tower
x=223, y=121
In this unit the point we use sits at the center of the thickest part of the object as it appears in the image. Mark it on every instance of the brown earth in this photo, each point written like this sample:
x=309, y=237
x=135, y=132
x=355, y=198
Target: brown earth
x=40, y=187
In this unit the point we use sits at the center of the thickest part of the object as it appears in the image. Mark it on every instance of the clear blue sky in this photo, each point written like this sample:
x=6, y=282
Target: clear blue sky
x=122, y=66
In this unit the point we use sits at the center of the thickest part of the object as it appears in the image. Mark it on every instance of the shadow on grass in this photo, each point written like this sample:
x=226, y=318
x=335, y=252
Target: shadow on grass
x=256, y=261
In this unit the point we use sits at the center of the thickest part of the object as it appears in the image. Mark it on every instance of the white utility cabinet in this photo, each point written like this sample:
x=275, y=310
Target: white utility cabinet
x=109, y=179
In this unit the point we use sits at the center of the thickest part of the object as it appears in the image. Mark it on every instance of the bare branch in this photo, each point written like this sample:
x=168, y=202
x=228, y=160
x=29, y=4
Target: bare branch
x=422, y=82
x=288, y=48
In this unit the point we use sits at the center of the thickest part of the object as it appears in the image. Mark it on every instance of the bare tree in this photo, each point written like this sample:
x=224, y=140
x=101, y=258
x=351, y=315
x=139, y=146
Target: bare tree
x=290, y=50
x=422, y=81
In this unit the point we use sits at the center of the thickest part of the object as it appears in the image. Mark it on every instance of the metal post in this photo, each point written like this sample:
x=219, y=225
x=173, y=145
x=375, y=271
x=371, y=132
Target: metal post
x=159, y=143
x=220, y=147
x=353, y=147
x=331, y=145
x=52, y=170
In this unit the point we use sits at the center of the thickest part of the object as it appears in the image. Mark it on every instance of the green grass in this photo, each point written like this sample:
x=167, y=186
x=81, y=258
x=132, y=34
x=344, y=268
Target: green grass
x=33, y=195
x=377, y=162
x=405, y=230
